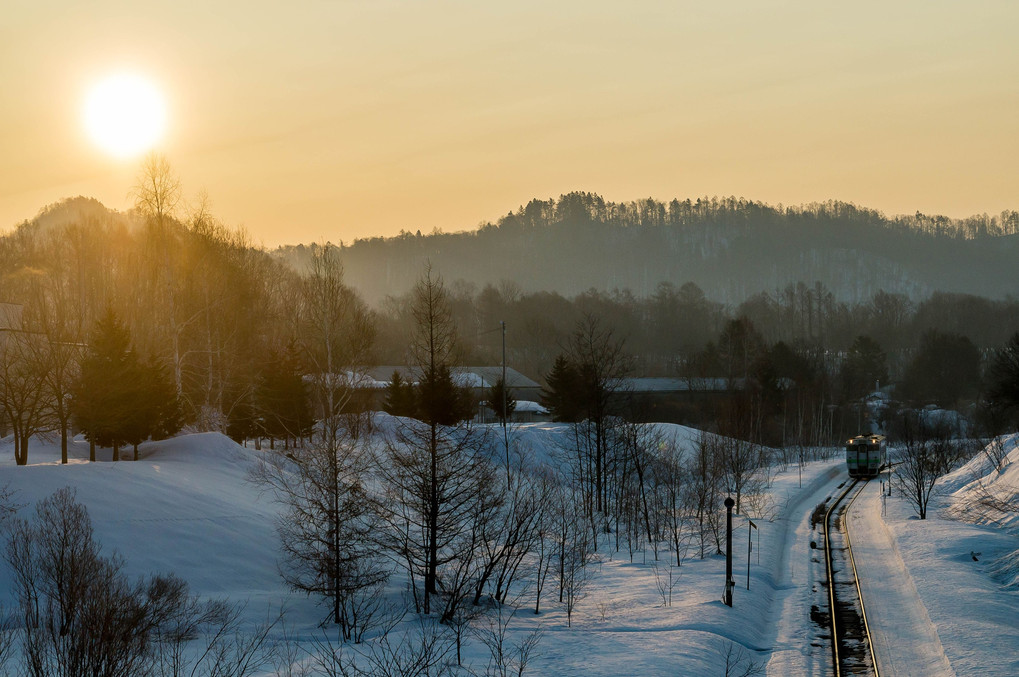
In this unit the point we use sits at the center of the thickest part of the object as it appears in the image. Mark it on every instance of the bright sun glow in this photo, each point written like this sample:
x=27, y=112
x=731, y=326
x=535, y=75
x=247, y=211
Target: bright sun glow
x=125, y=115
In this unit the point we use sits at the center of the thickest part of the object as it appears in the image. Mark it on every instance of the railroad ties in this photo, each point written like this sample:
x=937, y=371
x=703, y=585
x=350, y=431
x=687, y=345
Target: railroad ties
x=852, y=649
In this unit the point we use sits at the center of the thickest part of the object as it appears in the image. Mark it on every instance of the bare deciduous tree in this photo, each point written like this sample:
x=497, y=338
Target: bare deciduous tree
x=22, y=392
x=666, y=580
x=573, y=550
x=705, y=491
x=437, y=501
x=326, y=528
x=337, y=338
x=421, y=652
x=80, y=616
x=505, y=657
x=437, y=481
x=673, y=485
x=927, y=452
x=737, y=661
x=602, y=362
x=743, y=462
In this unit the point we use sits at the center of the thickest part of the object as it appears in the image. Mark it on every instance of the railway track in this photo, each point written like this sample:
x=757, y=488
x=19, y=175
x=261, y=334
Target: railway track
x=852, y=648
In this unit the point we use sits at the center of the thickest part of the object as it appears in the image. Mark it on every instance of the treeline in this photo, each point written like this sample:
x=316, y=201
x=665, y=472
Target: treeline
x=730, y=247
x=236, y=329
x=794, y=354
x=666, y=329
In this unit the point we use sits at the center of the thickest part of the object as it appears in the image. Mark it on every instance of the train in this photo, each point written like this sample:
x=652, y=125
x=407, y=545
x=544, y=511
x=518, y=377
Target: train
x=866, y=455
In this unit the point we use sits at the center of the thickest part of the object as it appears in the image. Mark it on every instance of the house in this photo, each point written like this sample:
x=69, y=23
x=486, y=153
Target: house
x=685, y=400
x=525, y=411
x=478, y=379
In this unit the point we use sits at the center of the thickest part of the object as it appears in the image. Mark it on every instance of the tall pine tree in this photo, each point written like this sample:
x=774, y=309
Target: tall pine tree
x=498, y=397
x=401, y=399
x=563, y=394
x=106, y=400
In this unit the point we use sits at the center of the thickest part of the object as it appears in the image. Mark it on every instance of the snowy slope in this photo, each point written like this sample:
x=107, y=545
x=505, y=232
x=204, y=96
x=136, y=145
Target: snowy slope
x=986, y=491
x=188, y=507
x=185, y=507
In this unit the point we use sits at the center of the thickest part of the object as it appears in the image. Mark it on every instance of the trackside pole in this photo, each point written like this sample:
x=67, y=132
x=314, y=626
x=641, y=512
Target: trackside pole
x=729, y=583
x=750, y=548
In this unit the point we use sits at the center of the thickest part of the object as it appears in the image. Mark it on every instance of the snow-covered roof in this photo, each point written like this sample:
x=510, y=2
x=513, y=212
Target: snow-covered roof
x=652, y=384
x=348, y=379
x=531, y=407
x=468, y=377
x=522, y=406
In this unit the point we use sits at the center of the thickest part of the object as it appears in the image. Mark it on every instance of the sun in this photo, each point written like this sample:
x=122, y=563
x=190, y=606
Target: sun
x=125, y=115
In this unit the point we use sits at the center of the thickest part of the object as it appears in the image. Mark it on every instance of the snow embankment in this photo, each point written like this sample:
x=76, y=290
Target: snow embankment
x=986, y=491
x=186, y=507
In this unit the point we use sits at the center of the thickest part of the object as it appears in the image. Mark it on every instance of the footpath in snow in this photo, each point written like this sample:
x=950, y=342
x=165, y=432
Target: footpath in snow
x=794, y=642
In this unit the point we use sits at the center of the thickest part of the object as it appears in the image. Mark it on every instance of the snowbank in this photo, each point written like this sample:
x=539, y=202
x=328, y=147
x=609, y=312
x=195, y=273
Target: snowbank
x=986, y=491
x=185, y=506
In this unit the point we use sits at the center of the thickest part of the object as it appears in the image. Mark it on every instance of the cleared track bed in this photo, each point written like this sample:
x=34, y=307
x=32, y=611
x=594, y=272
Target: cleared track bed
x=852, y=648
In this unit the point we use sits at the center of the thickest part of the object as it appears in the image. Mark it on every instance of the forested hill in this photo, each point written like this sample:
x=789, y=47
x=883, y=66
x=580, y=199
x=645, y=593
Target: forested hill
x=732, y=248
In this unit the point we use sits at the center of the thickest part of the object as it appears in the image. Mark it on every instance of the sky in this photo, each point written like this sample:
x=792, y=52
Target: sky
x=343, y=119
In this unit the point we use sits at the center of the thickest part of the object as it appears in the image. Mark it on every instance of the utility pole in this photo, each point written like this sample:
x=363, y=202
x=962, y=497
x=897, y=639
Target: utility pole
x=505, y=433
x=750, y=548
x=729, y=583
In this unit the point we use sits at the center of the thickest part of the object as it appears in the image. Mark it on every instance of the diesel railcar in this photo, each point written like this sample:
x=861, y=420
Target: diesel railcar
x=866, y=455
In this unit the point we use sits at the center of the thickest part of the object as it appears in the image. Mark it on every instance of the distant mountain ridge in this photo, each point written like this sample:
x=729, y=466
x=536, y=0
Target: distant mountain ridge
x=731, y=248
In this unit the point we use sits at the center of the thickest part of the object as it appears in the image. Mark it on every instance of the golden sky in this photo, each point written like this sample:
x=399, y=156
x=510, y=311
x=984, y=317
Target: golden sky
x=338, y=119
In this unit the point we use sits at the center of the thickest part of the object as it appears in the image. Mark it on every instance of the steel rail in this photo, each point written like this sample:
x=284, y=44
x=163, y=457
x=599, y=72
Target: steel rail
x=831, y=582
x=859, y=591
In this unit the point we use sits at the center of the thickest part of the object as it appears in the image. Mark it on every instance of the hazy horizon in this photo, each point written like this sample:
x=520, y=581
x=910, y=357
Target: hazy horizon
x=356, y=119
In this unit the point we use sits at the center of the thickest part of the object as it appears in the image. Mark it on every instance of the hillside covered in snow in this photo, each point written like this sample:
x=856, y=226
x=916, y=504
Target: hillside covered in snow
x=189, y=506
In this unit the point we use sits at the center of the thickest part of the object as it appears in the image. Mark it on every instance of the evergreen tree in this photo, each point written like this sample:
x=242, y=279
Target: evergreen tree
x=497, y=395
x=562, y=396
x=242, y=420
x=1003, y=380
x=400, y=397
x=283, y=400
x=739, y=347
x=158, y=413
x=241, y=412
x=166, y=408
x=441, y=401
x=106, y=404
x=865, y=366
x=945, y=369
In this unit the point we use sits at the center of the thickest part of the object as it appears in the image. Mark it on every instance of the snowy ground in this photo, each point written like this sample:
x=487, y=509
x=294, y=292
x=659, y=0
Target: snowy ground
x=187, y=507
x=906, y=640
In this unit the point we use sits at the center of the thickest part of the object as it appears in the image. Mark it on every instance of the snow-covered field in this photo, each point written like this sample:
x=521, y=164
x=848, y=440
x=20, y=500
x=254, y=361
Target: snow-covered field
x=188, y=507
